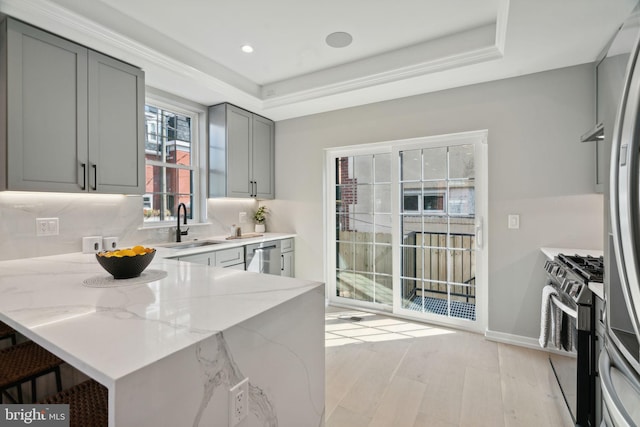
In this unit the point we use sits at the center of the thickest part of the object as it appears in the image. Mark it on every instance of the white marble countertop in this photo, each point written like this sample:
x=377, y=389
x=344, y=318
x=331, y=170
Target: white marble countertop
x=167, y=252
x=110, y=332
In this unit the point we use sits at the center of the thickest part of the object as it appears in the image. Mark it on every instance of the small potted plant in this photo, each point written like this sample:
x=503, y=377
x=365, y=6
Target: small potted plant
x=260, y=217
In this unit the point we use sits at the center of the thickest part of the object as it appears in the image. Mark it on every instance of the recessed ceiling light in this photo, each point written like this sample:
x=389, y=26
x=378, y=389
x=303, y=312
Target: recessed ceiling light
x=247, y=48
x=339, y=39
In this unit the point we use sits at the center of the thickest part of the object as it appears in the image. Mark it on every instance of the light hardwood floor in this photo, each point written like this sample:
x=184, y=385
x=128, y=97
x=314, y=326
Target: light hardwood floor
x=388, y=372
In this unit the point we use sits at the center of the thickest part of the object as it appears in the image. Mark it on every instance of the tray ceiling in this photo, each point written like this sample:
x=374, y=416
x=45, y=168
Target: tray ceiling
x=192, y=48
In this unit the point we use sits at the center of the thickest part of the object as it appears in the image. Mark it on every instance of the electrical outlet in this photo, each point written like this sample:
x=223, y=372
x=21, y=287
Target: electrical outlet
x=242, y=217
x=91, y=244
x=47, y=227
x=238, y=402
x=109, y=243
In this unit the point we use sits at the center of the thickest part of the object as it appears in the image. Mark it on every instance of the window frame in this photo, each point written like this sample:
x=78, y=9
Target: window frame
x=198, y=158
x=421, y=196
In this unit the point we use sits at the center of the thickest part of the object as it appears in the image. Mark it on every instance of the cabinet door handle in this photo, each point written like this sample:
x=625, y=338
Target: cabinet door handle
x=255, y=189
x=251, y=190
x=281, y=262
x=264, y=248
x=95, y=177
x=84, y=176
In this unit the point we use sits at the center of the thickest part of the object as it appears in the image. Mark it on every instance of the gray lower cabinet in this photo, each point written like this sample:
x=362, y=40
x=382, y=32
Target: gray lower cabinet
x=74, y=118
x=288, y=258
x=225, y=258
x=235, y=258
x=241, y=153
x=197, y=258
x=230, y=258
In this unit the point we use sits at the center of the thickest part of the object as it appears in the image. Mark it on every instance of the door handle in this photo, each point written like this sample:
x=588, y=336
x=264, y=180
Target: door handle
x=255, y=188
x=281, y=262
x=610, y=398
x=94, y=187
x=264, y=248
x=479, y=234
x=251, y=189
x=84, y=176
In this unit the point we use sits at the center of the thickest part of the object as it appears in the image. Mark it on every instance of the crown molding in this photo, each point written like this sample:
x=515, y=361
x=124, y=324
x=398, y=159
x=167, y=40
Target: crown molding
x=501, y=24
x=63, y=22
x=454, y=51
x=441, y=64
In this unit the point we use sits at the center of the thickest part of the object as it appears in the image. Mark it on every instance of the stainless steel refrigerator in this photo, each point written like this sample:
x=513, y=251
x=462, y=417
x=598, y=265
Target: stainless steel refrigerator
x=619, y=361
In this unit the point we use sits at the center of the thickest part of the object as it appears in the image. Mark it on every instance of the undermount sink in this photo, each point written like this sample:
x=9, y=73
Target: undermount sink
x=191, y=245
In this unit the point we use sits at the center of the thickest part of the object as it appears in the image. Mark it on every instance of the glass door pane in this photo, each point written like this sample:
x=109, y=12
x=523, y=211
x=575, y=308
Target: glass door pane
x=437, y=210
x=406, y=217
x=363, y=222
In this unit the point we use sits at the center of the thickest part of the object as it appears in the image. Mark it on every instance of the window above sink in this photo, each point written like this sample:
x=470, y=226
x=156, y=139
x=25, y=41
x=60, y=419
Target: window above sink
x=174, y=160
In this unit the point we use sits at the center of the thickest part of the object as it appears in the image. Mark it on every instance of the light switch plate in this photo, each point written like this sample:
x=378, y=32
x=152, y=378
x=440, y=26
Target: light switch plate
x=47, y=226
x=514, y=221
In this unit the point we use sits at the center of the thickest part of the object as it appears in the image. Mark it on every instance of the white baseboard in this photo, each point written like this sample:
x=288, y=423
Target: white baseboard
x=521, y=341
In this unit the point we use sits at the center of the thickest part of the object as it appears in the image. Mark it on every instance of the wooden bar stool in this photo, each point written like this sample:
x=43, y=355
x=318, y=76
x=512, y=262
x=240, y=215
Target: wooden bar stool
x=26, y=362
x=7, y=332
x=88, y=404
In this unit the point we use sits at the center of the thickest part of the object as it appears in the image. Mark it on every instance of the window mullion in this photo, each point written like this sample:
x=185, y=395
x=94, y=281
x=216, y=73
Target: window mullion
x=169, y=165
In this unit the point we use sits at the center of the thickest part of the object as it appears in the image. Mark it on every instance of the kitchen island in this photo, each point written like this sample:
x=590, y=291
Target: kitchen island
x=169, y=350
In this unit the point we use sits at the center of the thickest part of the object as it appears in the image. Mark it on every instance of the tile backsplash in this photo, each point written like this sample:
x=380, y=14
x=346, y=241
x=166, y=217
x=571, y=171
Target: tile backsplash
x=98, y=215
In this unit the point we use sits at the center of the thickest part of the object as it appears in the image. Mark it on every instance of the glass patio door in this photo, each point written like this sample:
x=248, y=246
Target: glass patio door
x=405, y=221
x=437, y=218
x=363, y=229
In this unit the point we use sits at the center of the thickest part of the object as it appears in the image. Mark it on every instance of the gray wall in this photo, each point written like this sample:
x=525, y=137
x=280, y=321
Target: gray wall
x=537, y=168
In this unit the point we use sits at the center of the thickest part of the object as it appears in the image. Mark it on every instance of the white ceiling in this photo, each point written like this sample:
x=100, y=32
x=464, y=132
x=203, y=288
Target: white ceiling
x=191, y=48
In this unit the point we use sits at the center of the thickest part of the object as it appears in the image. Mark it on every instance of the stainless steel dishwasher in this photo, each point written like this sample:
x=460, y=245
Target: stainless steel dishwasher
x=263, y=257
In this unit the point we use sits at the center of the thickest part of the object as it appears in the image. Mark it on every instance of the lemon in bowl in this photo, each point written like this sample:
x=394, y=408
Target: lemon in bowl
x=126, y=263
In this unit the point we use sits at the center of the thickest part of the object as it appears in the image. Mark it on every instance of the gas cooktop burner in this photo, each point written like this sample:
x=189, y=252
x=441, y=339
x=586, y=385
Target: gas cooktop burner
x=589, y=267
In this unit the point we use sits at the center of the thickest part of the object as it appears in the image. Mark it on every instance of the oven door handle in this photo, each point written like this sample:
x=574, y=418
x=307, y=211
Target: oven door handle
x=565, y=308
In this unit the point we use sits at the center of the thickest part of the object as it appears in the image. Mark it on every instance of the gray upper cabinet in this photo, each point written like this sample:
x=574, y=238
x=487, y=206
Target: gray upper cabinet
x=116, y=126
x=46, y=109
x=74, y=117
x=241, y=153
x=263, y=158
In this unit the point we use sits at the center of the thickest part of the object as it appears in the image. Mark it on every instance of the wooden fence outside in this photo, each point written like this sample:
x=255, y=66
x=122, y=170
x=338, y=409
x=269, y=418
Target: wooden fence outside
x=424, y=263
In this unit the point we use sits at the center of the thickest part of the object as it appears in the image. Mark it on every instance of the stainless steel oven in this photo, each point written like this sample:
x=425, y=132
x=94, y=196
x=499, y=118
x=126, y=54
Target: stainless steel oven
x=572, y=331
